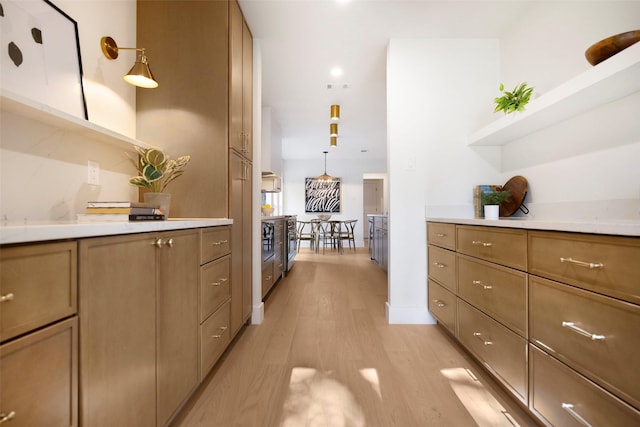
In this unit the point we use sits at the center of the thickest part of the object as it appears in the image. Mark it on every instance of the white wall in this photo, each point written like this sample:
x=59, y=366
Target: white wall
x=350, y=171
x=450, y=85
x=576, y=165
x=43, y=169
x=432, y=106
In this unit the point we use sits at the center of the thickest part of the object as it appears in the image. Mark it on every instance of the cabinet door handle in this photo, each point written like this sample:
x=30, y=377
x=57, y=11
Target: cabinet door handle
x=480, y=243
x=157, y=243
x=479, y=283
x=219, y=242
x=221, y=329
x=580, y=331
x=590, y=265
x=440, y=235
x=569, y=408
x=219, y=282
x=7, y=297
x=169, y=242
x=7, y=417
x=479, y=336
x=439, y=303
x=439, y=264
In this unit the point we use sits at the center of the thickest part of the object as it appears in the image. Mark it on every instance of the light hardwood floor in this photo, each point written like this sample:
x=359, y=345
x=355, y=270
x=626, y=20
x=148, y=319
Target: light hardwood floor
x=326, y=357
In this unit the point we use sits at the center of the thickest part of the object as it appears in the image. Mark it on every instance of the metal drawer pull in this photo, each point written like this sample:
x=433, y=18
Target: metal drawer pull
x=569, y=408
x=439, y=303
x=441, y=235
x=479, y=243
x=7, y=297
x=157, y=243
x=220, y=242
x=222, y=329
x=582, y=263
x=7, y=417
x=573, y=327
x=439, y=264
x=479, y=283
x=479, y=336
x=219, y=282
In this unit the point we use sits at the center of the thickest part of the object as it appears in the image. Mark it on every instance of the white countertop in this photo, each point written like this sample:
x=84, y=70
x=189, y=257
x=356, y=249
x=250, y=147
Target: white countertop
x=610, y=226
x=55, y=230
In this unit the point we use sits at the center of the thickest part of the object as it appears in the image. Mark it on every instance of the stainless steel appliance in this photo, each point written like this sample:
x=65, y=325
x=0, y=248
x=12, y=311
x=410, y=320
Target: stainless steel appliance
x=268, y=240
x=291, y=241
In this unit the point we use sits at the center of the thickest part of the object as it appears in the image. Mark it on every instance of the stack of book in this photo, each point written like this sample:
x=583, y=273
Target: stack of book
x=120, y=211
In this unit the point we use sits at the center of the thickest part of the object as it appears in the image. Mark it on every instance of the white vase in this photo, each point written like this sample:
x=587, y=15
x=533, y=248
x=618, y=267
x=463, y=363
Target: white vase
x=491, y=211
x=162, y=200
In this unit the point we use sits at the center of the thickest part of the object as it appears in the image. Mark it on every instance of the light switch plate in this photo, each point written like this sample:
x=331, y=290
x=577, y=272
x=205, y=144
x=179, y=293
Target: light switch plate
x=93, y=173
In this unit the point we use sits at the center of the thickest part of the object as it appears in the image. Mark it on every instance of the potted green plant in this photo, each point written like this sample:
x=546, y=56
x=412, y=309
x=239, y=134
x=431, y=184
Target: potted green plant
x=155, y=171
x=491, y=203
x=514, y=100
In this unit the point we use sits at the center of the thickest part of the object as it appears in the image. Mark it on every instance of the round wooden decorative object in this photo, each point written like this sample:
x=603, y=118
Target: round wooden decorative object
x=518, y=188
x=608, y=47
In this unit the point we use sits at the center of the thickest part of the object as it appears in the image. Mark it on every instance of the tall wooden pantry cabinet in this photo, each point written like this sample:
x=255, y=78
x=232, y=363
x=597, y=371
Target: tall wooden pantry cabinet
x=201, y=53
x=240, y=160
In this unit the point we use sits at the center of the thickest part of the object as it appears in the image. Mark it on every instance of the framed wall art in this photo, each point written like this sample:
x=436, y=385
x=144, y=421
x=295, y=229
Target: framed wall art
x=41, y=55
x=322, y=196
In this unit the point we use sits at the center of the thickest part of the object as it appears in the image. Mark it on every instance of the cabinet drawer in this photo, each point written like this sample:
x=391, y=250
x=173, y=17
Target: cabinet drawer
x=214, y=243
x=39, y=285
x=500, y=350
x=500, y=292
x=214, y=338
x=443, y=235
x=442, y=266
x=500, y=245
x=442, y=304
x=267, y=277
x=39, y=377
x=553, y=387
x=610, y=358
x=215, y=285
x=604, y=264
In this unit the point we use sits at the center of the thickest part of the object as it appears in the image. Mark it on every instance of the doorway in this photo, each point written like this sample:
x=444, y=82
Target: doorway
x=373, y=201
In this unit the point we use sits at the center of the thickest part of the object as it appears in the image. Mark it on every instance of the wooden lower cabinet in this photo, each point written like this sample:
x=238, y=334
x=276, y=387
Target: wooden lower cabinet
x=38, y=377
x=554, y=316
x=500, y=349
x=561, y=397
x=139, y=327
x=442, y=304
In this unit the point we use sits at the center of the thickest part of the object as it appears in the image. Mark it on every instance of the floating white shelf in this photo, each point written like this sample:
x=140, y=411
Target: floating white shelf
x=608, y=81
x=28, y=108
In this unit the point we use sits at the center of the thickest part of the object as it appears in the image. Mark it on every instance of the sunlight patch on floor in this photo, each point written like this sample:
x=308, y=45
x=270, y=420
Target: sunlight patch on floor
x=479, y=402
x=316, y=399
x=371, y=376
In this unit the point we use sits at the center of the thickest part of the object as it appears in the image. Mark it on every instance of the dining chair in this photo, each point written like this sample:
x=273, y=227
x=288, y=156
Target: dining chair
x=348, y=233
x=304, y=231
x=335, y=234
x=322, y=234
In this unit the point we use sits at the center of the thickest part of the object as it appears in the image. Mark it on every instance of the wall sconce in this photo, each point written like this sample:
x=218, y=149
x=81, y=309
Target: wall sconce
x=335, y=112
x=333, y=129
x=140, y=74
x=334, y=141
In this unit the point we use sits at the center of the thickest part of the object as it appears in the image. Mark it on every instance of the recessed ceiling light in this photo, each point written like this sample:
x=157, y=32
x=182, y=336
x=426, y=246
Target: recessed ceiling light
x=336, y=71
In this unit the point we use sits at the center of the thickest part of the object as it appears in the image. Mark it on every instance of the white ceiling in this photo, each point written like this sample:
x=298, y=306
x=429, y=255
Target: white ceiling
x=301, y=40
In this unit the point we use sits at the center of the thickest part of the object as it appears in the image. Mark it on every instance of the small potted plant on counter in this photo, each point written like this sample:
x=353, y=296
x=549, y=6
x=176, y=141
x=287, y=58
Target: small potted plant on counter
x=155, y=171
x=491, y=203
x=513, y=101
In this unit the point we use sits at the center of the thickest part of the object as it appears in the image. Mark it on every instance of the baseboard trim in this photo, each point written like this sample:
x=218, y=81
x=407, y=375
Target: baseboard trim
x=257, y=315
x=408, y=315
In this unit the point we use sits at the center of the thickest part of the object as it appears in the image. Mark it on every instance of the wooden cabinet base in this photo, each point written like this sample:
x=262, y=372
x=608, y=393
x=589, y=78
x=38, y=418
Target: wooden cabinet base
x=38, y=377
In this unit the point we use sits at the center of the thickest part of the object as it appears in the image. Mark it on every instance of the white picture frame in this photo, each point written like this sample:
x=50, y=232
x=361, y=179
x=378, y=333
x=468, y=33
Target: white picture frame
x=40, y=58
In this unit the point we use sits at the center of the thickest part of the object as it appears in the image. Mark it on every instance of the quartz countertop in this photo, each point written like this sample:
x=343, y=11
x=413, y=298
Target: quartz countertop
x=55, y=230
x=610, y=226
